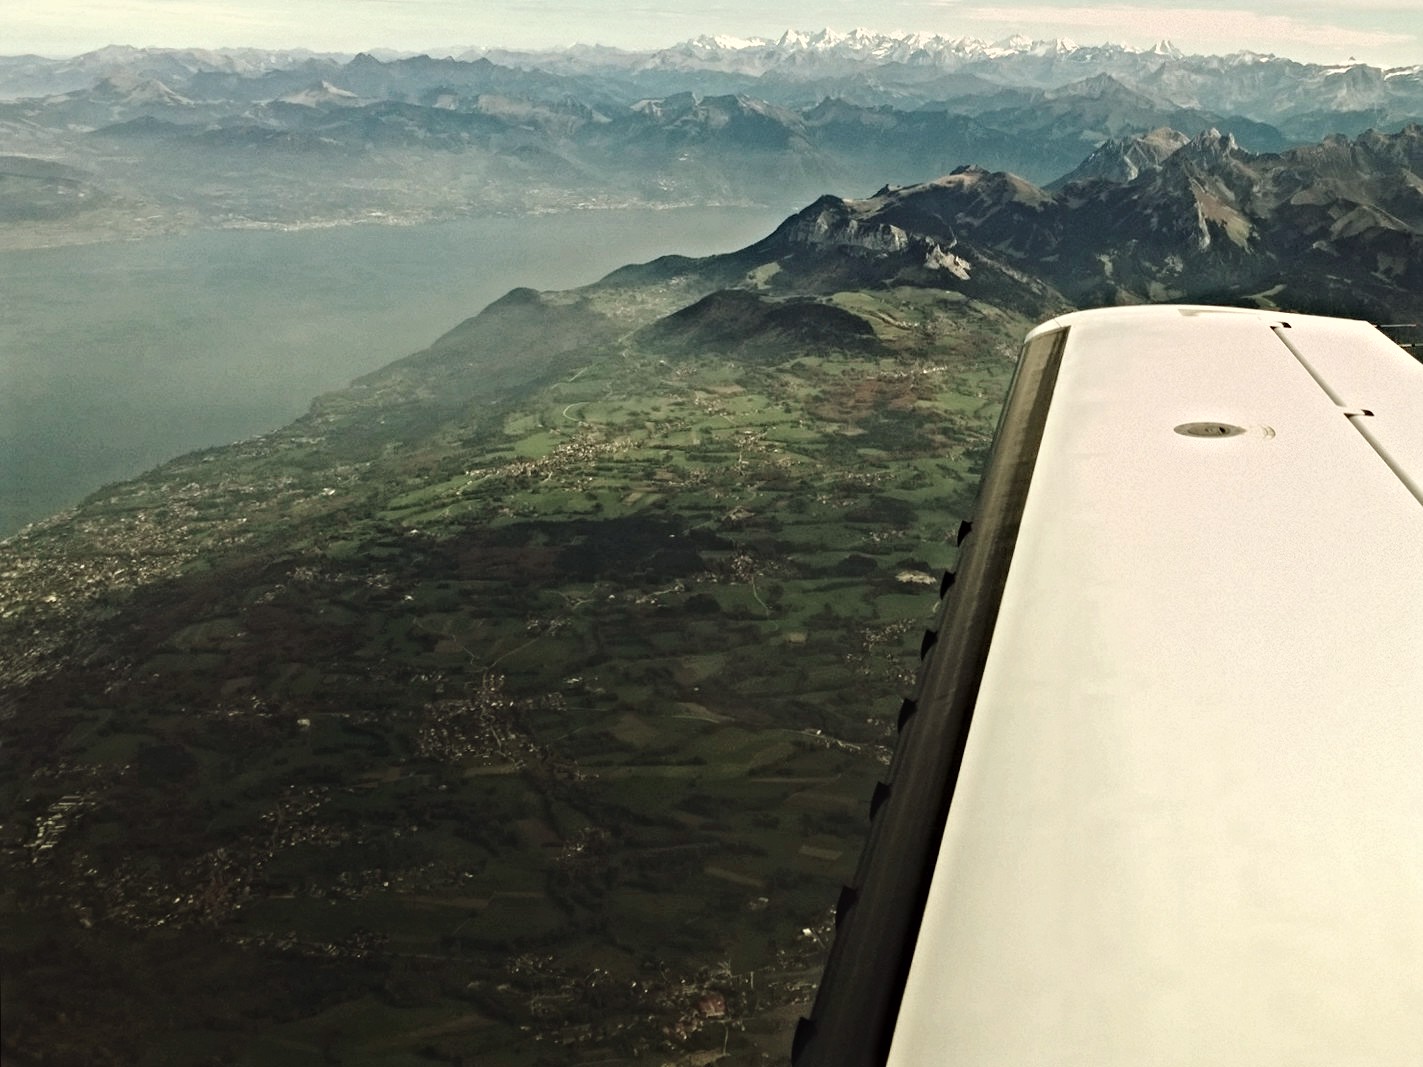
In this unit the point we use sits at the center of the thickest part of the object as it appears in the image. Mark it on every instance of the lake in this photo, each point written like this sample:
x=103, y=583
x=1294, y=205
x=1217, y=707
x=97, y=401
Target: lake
x=115, y=357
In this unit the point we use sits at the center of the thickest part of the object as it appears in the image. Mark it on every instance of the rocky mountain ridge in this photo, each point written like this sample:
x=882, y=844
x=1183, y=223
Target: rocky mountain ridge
x=1336, y=228
x=1335, y=225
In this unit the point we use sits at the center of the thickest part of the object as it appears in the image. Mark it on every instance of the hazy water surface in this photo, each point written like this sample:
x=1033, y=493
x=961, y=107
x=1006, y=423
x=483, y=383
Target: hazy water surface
x=115, y=357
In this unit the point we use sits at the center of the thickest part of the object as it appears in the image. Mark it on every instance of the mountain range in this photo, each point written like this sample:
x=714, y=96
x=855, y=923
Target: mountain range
x=791, y=70
x=172, y=138
x=520, y=702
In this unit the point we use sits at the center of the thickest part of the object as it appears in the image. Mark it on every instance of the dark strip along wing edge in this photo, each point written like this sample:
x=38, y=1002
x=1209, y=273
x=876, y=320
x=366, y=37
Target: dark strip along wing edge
x=878, y=917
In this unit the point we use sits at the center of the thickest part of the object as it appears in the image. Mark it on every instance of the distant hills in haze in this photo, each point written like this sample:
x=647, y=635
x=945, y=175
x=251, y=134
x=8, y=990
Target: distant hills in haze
x=163, y=138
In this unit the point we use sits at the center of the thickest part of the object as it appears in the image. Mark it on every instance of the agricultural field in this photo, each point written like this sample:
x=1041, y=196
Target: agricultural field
x=534, y=725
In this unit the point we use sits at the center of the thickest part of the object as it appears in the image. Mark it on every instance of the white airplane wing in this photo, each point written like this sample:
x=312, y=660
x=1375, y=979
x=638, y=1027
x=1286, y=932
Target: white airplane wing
x=1159, y=796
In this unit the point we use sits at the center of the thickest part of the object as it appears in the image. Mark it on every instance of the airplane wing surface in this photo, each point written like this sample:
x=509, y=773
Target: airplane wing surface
x=1158, y=797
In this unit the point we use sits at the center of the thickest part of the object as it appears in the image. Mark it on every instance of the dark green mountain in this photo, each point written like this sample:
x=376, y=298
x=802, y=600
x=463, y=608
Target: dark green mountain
x=520, y=703
x=517, y=704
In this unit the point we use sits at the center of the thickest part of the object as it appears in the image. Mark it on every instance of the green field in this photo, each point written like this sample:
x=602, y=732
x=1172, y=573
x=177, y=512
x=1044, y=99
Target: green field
x=501, y=730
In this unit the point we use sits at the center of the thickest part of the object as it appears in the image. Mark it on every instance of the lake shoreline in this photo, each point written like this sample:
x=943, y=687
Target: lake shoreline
x=119, y=355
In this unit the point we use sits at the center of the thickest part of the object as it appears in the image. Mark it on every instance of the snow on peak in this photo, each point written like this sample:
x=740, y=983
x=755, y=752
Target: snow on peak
x=321, y=93
x=134, y=88
x=723, y=42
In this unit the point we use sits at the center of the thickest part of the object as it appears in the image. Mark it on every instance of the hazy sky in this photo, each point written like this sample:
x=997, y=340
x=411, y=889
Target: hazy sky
x=1383, y=32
